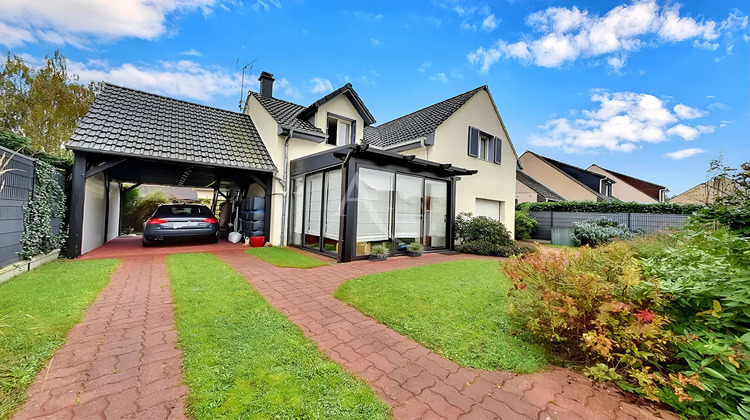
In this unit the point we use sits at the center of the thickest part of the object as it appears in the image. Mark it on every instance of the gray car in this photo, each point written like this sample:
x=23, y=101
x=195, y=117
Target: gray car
x=181, y=221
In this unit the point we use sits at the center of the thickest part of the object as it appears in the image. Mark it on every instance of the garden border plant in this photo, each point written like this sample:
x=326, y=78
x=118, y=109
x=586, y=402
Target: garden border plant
x=45, y=201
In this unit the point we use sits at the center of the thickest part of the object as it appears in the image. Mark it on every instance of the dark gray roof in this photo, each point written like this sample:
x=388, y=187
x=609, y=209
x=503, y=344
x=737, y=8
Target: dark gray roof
x=285, y=113
x=587, y=179
x=418, y=124
x=347, y=90
x=129, y=122
x=538, y=187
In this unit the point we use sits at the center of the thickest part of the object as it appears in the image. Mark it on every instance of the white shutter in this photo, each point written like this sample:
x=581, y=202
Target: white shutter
x=374, y=205
x=333, y=204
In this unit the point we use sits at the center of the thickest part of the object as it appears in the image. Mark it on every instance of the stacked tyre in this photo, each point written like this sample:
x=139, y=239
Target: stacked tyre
x=252, y=217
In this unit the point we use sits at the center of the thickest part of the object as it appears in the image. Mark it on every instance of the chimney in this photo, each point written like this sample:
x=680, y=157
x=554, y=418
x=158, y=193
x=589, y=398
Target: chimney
x=266, y=84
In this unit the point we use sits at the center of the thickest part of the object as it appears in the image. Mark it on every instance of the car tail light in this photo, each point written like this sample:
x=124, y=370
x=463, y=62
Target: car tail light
x=211, y=220
x=156, y=221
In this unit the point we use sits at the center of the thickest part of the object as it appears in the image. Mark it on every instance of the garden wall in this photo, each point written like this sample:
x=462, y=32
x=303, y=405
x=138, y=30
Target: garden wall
x=648, y=222
x=15, y=187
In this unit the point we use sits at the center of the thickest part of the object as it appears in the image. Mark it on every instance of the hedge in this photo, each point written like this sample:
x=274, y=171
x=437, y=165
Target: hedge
x=23, y=146
x=611, y=207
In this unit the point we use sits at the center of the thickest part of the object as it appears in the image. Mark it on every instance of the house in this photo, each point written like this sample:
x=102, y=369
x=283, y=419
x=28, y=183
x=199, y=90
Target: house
x=567, y=181
x=333, y=181
x=706, y=192
x=628, y=188
x=529, y=190
x=344, y=178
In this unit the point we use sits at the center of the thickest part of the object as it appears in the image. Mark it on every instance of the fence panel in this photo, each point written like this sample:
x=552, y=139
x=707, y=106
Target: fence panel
x=16, y=184
x=648, y=222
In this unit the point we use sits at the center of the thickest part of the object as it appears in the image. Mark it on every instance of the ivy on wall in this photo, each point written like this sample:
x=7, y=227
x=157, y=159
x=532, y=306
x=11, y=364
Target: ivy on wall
x=611, y=207
x=47, y=201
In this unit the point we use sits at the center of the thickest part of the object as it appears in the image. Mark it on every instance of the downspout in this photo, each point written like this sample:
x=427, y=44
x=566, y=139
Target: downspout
x=284, y=187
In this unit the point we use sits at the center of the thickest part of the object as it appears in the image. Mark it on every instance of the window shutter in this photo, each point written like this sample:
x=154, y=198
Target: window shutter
x=498, y=146
x=473, y=142
x=491, y=149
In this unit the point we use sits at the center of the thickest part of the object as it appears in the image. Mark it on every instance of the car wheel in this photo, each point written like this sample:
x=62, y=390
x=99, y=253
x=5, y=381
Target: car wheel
x=215, y=239
x=145, y=243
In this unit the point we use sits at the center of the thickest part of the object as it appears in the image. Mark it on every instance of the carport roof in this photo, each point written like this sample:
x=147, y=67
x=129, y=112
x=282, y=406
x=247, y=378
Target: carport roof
x=128, y=122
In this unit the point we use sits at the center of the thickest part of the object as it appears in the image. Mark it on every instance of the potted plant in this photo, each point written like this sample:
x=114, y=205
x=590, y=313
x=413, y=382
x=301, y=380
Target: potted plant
x=415, y=249
x=378, y=253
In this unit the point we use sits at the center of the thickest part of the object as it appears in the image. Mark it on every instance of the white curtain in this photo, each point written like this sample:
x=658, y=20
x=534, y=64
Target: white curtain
x=313, y=192
x=374, y=205
x=408, y=206
x=333, y=204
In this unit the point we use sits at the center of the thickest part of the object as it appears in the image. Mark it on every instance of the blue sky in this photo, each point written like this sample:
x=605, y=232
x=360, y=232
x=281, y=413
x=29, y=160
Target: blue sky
x=653, y=89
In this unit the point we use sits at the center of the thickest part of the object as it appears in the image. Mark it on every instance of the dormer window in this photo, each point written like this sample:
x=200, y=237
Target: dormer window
x=340, y=130
x=606, y=188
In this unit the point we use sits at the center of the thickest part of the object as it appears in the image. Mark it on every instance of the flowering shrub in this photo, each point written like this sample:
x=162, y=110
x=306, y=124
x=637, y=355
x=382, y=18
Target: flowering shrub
x=595, y=304
x=600, y=231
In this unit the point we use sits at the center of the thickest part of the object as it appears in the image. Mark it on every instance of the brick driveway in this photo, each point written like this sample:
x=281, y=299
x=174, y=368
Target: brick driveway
x=121, y=361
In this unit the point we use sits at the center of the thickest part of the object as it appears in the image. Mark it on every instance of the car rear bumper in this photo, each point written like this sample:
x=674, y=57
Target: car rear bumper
x=152, y=234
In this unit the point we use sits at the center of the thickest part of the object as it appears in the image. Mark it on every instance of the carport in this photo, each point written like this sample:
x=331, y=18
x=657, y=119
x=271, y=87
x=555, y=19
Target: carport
x=129, y=136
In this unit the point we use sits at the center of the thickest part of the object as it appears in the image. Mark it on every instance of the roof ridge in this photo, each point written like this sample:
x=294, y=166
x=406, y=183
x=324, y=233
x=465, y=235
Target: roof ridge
x=172, y=99
x=429, y=106
x=254, y=93
x=619, y=174
x=567, y=164
x=546, y=159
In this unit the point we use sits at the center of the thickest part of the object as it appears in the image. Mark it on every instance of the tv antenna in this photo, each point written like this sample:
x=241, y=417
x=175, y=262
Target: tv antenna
x=242, y=83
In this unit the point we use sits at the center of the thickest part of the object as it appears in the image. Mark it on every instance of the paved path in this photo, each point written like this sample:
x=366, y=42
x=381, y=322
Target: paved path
x=416, y=382
x=120, y=361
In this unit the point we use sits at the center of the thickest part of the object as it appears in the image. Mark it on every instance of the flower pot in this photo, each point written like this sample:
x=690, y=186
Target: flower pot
x=377, y=258
x=414, y=253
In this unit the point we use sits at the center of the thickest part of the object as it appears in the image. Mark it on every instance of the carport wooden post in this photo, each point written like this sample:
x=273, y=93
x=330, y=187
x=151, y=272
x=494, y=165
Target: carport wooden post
x=77, y=194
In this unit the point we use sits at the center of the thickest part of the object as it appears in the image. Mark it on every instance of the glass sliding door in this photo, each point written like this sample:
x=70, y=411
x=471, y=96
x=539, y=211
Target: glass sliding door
x=408, y=211
x=435, y=213
x=313, y=210
x=374, y=209
x=332, y=211
x=296, y=215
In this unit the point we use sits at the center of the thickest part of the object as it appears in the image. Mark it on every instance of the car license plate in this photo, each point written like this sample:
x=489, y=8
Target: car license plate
x=178, y=225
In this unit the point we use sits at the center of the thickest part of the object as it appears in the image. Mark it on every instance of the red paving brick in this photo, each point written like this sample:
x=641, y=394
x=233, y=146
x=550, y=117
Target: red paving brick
x=121, y=360
x=416, y=382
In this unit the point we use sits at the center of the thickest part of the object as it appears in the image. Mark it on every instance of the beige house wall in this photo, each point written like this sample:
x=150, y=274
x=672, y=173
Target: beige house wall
x=268, y=128
x=554, y=179
x=621, y=189
x=493, y=181
x=524, y=194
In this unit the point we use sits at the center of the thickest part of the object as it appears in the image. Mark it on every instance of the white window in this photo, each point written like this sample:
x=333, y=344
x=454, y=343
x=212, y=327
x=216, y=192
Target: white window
x=485, y=146
x=339, y=131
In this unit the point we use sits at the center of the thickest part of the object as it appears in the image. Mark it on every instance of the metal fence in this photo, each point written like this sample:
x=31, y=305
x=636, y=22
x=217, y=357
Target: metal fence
x=647, y=222
x=16, y=186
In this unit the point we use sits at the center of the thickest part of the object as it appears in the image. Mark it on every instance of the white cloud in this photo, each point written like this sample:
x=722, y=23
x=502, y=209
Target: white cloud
x=690, y=133
x=367, y=16
x=684, y=153
x=374, y=42
x=320, y=85
x=192, y=52
x=59, y=22
x=622, y=122
x=424, y=66
x=183, y=79
x=563, y=36
x=687, y=113
x=287, y=88
x=466, y=26
x=440, y=77
x=706, y=45
x=489, y=23
x=718, y=106
x=265, y=5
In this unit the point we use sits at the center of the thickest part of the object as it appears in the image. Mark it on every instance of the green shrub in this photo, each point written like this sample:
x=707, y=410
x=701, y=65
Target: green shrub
x=595, y=232
x=379, y=251
x=708, y=275
x=415, y=247
x=611, y=207
x=593, y=305
x=483, y=236
x=146, y=206
x=525, y=224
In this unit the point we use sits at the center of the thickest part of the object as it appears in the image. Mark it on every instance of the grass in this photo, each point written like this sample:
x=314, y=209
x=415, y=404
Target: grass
x=37, y=309
x=456, y=309
x=244, y=359
x=283, y=257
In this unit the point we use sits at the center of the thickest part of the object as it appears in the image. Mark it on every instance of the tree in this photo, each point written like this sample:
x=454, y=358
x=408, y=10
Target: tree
x=43, y=104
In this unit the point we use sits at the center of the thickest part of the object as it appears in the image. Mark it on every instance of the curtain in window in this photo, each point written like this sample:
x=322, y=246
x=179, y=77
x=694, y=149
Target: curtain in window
x=333, y=204
x=313, y=192
x=408, y=206
x=374, y=205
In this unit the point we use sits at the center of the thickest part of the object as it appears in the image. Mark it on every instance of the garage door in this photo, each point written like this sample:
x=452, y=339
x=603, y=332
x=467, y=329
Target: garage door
x=489, y=208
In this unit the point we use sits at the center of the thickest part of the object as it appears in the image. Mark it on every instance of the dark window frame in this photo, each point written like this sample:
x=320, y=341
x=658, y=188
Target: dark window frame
x=493, y=150
x=352, y=124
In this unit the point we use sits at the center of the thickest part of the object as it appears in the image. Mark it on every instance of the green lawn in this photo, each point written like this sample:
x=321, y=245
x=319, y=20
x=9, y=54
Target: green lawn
x=456, y=309
x=37, y=309
x=244, y=359
x=282, y=257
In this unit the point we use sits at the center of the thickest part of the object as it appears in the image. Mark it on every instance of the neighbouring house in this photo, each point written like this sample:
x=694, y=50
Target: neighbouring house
x=181, y=194
x=568, y=181
x=628, y=188
x=333, y=181
x=529, y=190
x=706, y=192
